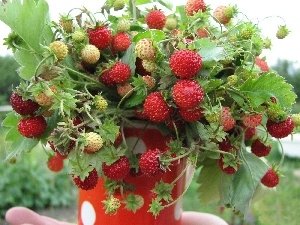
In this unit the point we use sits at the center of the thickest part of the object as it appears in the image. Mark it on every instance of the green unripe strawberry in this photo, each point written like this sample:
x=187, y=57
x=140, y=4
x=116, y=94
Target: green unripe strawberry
x=267, y=43
x=59, y=49
x=296, y=119
x=66, y=23
x=149, y=65
x=100, y=103
x=123, y=25
x=282, y=32
x=232, y=80
x=78, y=36
x=111, y=205
x=171, y=23
x=118, y=4
x=90, y=54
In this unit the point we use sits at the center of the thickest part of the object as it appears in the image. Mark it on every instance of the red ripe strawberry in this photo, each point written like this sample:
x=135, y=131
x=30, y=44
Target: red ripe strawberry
x=23, y=107
x=56, y=163
x=120, y=72
x=118, y=170
x=156, y=108
x=185, y=63
x=89, y=182
x=149, y=162
x=228, y=168
x=262, y=64
x=121, y=42
x=193, y=6
x=32, y=127
x=280, y=129
x=259, y=148
x=227, y=121
x=156, y=19
x=202, y=33
x=271, y=178
x=187, y=94
x=250, y=132
x=100, y=37
x=226, y=146
x=106, y=78
x=191, y=115
x=252, y=120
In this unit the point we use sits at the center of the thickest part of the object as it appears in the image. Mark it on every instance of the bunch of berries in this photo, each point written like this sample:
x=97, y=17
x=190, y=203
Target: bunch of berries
x=196, y=76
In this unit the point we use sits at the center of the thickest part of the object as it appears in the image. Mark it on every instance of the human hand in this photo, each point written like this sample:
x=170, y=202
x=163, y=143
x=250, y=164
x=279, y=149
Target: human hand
x=25, y=216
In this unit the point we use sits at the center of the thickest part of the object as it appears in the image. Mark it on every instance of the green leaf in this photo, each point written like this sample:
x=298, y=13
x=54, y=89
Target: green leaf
x=28, y=64
x=154, y=35
x=209, y=51
x=129, y=57
x=166, y=4
x=269, y=85
x=29, y=20
x=245, y=182
x=209, y=180
x=11, y=120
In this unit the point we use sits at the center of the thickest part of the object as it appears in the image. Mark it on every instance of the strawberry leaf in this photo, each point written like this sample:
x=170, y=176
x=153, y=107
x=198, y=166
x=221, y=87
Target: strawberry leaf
x=238, y=190
x=269, y=85
x=29, y=19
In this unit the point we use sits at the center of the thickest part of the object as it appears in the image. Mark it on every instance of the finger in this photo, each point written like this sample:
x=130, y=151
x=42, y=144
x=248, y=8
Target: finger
x=197, y=218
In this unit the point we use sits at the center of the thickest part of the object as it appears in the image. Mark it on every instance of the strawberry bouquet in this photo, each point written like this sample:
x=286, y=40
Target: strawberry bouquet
x=195, y=72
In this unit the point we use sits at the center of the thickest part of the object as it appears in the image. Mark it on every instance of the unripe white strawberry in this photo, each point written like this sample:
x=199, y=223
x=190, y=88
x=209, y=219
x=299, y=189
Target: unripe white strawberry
x=78, y=36
x=94, y=142
x=144, y=49
x=150, y=82
x=100, y=103
x=149, y=66
x=59, y=49
x=90, y=54
x=123, y=25
x=45, y=98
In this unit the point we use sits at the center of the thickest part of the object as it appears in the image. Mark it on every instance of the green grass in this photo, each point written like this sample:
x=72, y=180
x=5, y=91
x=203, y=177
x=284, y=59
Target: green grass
x=276, y=207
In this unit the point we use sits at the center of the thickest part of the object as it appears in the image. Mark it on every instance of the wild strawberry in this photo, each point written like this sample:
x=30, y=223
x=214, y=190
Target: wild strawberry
x=227, y=121
x=156, y=108
x=145, y=50
x=59, y=49
x=119, y=4
x=100, y=103
x=262, y=64
x=111, y=205
x=94, y=142
x=23, y=107
x=150, y=82
x=120, y=72
x=232, y=80
x=106, y=78
x=185, y=63
x=56, y=163
x=149, y=65
x=171, y=23
x=156, y=19
x=221, y=15
x=124, y=89
x=78, y=36
x=282, y=32
x=267, y=43
x=226, y=146
x=149, y=162
x=117, y=170
x=250, y=132
x=193, y=6
x=66, y=23
x=123, y=25
x=32, y=127
x=280, y=129
x=202, y=32
x=191, y=115
x=296, y=119
x=140, y=114
x=121, y=42
x=259, y=148
x=100, y=37
x=89, y=181
x=252, y=120
x=187, y=94
x=271, y=178
x=90, y=54
x=45, y=98
x=227, y=164
x=139, y=69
